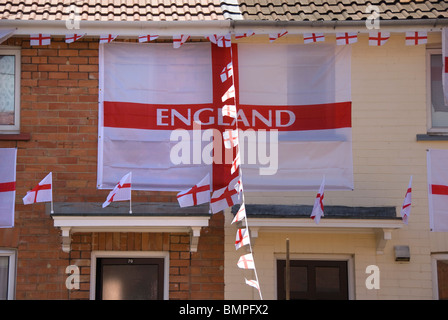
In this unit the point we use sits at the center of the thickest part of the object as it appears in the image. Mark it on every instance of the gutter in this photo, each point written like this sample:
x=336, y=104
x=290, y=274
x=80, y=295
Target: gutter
x=208, y=27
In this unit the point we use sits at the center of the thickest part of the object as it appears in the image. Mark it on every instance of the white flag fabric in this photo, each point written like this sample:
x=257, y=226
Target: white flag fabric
x=241, y=214
x=414, y=38
x=242, y=238
x=70, y=38
x=378, y=38
x=198, y=194
x=445, y=64
x=40, y=39
x=239, y=36
x=147, y=38
x=292, y=108
x=121, y=192
x=275, y=36
x=8, y=159
x=437, y=162
x=406, y=207
x=227, y=72
x=6, y=34
x=346, y=38
x=313, y=37
x=108, y=38
x=246, y=261
x=179, y=40
x=253, y=283
x=43, y=192
x=318, y=208
x=229, y=111
x=223, y=41
x=230, y=138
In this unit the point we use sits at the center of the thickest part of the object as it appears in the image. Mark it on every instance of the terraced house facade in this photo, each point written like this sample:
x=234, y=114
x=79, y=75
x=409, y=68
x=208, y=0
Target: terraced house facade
x=60, y=112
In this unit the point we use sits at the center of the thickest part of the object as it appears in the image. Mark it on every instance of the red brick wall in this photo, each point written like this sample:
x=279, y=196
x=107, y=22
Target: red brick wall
x=59, y=109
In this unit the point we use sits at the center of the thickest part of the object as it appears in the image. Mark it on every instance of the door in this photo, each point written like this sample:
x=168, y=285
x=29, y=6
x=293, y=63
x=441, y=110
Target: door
x=313, y=280
x=129, y=279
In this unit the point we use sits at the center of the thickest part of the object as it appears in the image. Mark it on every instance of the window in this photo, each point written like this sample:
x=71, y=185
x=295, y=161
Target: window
x=7, y=274
x=9, y=91
x=440, y=276
x=130, y=279
x=313, y=280
x=437, y=110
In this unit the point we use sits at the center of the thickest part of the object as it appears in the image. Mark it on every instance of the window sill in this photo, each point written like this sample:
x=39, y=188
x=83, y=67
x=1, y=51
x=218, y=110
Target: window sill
x=15, y=137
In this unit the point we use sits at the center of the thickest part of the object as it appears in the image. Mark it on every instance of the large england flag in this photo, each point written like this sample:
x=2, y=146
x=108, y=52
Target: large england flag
x=160, y=115
x=437, y=162
x=8, y=160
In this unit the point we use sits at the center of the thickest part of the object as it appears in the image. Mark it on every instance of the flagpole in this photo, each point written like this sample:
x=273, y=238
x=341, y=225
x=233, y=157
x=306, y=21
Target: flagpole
x=288, y=272
x=51, y=203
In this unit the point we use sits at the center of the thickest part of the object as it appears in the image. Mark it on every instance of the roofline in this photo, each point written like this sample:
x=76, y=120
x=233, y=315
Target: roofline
x=208, y=27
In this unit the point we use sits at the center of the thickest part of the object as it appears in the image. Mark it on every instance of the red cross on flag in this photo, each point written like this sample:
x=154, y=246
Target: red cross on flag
x=226, y=72
x=121, y=192
x=241, y=214
x=445, y=63
x=313, y=37
x=246, y=261
x=239, y=36
x=378, y=38
x=437, y=162
x=346, y=38
x=179, y=40
x=318, y=208
x=229, y=111
x=198, y=194
x=40, y=39
x=108, y=38
x=242, y=238
x=275, y=36
x=42, y=192
x=414, y=38
x=221, y=41
x=8, y=158
x=147, y=38
x=253, y=283
x=69, y=38
x=225, y=197
x=406, y=207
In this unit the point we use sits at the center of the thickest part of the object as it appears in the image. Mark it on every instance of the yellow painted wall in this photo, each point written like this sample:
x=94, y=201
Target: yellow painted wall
x=389, y=110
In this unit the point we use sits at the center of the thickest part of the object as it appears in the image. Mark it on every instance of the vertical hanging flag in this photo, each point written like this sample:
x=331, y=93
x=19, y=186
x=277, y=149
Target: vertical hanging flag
x=378, y=38
x=414, y=38
x=8, y=159
x=246, y=261
x=406, y=208
x=179, y=40
x=437, y=162
x=43, y=192
x=346, y=38
x=108, y=38
x=121, y=192
x=147, y=38
x=69, y=38
x=275, y=36
x=242, y=238
x=313, y=37
x=318, y=209
x=198, y=194
x=40, y=39
x=445, y=63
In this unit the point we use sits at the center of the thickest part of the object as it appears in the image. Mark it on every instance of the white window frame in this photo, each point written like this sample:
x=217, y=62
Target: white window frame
x=435, y=284
x=15, y=128
x=12, y=255
x=165, y=255
x=430, y=128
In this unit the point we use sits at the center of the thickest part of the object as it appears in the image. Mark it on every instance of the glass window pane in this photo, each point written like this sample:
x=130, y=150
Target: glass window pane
x=130, y=282
x=299, y=279
x=439, y=111
x=4, y=268
x=7, y=90
x=327, y=279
